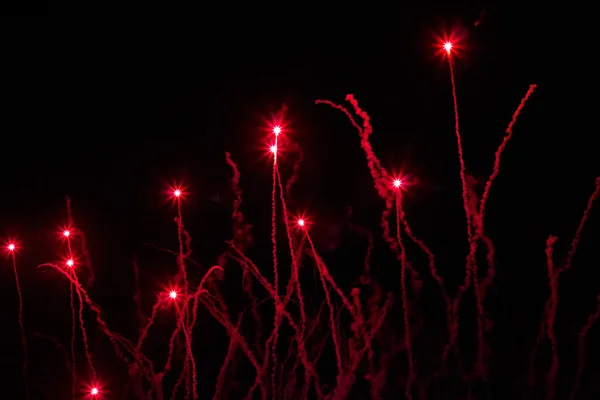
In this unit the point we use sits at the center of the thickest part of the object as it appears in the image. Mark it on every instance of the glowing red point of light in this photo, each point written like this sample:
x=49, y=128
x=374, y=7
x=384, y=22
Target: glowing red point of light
x=173, y=294
x=67, y=233
x=448, y=47
x=276, y=130
x=273, y=149
x=94, y=391
x=176, y=192
x=11, y=247
x=397, y=183
x=302, y=223
x=70, y=262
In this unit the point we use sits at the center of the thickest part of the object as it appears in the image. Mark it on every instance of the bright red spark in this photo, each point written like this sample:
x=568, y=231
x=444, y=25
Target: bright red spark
x=176, y=192
x=11, y=247
x=94, y=391
x=302, y=222
x=273, y=149
x=66, y=233
x=70, y=262
x=449, y=44
x=448, y=47
x=397, y=183
x=173, y=294
x=276, y=130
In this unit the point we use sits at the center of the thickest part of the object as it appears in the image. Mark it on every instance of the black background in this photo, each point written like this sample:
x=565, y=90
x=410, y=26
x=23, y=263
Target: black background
x=110, y=114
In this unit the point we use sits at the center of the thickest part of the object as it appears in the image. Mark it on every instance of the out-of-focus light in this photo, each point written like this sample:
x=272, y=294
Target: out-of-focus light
x=66, y=233
x=448, y=47
x=277, y=130
x=70, y=262
x=173, y=294
x=397, y=183
x=11, y=247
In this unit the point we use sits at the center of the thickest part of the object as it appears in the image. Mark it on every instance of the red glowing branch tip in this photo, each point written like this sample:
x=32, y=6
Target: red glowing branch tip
x=276, y=130
x=301, y=222
x=448, y=47
x=273, y=149
x=94, y=391
x=66, y=233
x=70, y=262
x=177, y=193
x=173, y=294
x=397, y=183
x=11, y=247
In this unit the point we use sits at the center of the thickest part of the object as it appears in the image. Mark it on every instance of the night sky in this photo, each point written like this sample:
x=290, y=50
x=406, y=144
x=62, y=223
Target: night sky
x=111, y=116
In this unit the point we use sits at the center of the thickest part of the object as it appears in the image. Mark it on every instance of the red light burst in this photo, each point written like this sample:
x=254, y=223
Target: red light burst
x=176, y=192
x=274, y=148
x=401, y=181
x=11, y=246
x=66, y=231
x=170, y=293
x=94, y=391
x=70, y=261
x=449, y=45
x=301, y=222
x=275, y=125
